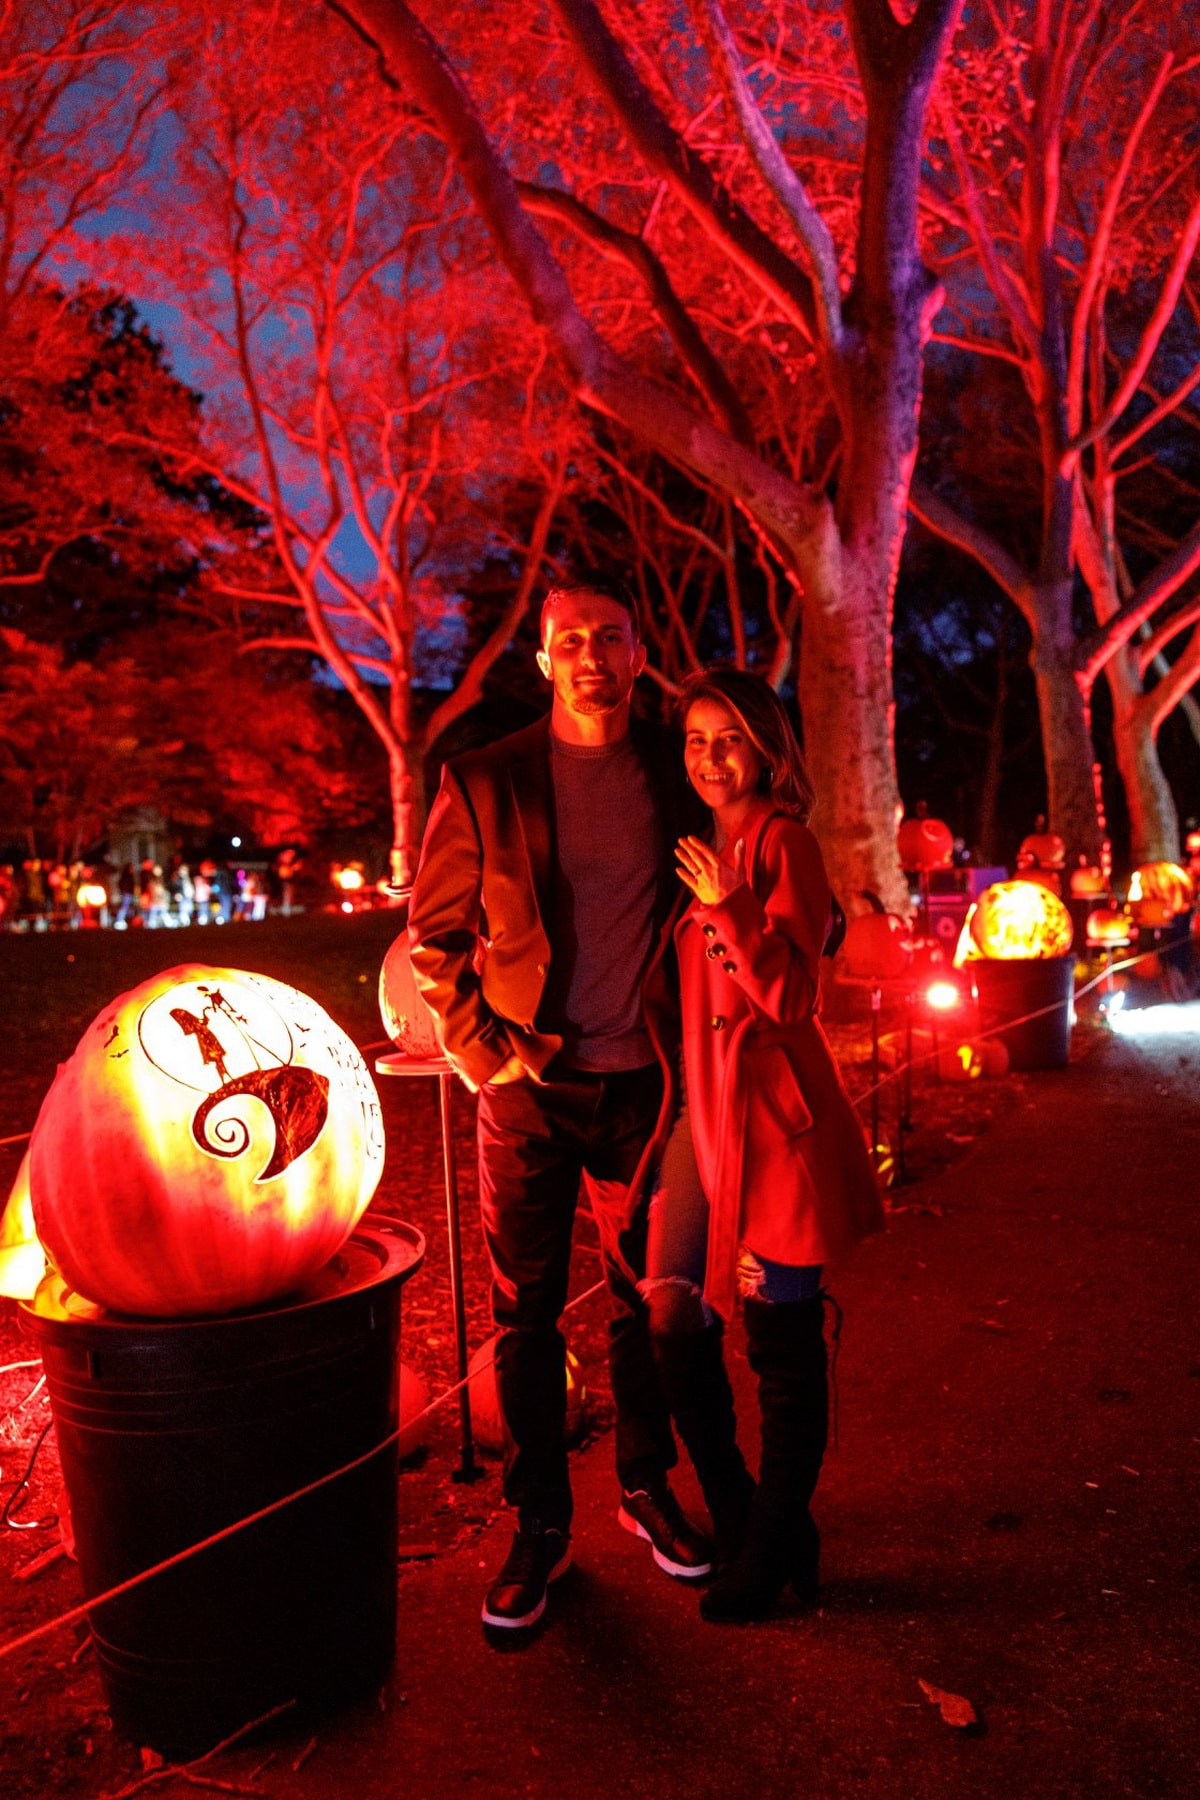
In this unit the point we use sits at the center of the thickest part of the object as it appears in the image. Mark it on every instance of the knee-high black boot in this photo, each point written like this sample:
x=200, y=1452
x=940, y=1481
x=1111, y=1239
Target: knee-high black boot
x=787, y=1353
x=697, y=1389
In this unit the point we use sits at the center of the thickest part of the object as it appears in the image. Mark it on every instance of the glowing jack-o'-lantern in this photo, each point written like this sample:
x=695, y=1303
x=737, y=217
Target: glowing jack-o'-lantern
x=1165, y=882
x=22, y=1259
x=210, y=1145
x=1018, y=919
x=925, y=844
x=961, y=1062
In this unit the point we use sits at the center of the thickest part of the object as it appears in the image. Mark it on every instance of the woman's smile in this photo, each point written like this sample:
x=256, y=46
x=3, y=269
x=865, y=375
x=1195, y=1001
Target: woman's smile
x=722, y=764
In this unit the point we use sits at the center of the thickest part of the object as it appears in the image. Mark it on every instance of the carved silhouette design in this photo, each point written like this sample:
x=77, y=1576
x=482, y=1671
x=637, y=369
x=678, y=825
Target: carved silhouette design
x=297, y=1098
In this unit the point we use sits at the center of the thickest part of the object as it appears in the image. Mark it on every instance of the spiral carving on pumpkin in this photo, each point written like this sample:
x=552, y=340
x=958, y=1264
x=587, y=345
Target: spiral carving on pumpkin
x=297, y=1100
x=225, y=1026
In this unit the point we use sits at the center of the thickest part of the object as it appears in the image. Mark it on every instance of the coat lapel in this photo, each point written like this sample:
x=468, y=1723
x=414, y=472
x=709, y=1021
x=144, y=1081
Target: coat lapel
x=529, y=772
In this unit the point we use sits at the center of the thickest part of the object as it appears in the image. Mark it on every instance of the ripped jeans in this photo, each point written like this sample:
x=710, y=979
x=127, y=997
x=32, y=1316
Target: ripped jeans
x=677, y=1248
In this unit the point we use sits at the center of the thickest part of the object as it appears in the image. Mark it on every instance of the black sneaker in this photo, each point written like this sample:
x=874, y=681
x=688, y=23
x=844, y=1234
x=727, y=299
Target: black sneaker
x=677, y=1546
x=517, y=1597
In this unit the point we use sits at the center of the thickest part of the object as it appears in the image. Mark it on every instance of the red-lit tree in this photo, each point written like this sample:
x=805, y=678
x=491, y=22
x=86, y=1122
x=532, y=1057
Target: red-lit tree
x=1068, y=170
x=343, y=320
x=168, y=721
x=711, y=201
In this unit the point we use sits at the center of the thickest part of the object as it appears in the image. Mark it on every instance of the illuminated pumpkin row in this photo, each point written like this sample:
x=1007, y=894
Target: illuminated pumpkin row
x=210, y=1145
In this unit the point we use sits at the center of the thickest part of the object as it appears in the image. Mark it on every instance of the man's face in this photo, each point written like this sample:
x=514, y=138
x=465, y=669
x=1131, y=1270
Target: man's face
x=590, y=653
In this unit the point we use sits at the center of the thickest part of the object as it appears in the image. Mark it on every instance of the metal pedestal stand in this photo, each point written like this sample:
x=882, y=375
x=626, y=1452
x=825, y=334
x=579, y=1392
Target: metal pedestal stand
x=877, y=987
x=399, y=1064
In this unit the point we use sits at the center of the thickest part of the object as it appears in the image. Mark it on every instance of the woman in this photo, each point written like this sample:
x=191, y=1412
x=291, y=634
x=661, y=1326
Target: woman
x=766, y=1176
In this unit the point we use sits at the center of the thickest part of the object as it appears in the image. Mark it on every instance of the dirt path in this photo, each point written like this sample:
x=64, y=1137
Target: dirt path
x=1011, y=1517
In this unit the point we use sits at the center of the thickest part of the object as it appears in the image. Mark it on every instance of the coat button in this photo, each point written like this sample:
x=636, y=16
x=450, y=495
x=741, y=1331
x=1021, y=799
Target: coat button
x=709, y=930
x=730, y=968
x=712, y=951
x=717, y=1022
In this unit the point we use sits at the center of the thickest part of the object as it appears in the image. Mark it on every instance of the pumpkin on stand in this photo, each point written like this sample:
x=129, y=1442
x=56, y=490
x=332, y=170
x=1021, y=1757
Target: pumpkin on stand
x=1016, y=920
x=1164, y=882
x=1108, y=928
x=406, y=1016
x=1041, y=850
x=1088, y=882
x=877, y=947
x=925, y=844
x=209, y=1146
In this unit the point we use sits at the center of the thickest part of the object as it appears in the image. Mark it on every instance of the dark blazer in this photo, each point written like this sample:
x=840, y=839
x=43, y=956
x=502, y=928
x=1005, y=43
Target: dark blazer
x=476, y=927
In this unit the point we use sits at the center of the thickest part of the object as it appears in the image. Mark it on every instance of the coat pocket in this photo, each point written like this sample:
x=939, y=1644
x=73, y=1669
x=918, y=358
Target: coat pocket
x=773, y=1081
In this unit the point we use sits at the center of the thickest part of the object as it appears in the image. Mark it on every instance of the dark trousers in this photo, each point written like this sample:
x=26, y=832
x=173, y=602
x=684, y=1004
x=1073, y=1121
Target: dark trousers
x=537, y=1140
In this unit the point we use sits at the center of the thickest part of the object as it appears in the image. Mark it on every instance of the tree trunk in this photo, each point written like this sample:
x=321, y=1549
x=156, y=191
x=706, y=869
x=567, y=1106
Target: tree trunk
x=1066, y=728
x=1153, y=817
x=406, y=787
x=847, y=710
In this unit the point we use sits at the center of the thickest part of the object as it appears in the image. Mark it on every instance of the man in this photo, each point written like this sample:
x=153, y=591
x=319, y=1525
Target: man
x=537, y=927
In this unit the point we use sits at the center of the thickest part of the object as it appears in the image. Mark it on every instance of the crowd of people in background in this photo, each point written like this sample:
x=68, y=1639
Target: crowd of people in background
x=37, y=895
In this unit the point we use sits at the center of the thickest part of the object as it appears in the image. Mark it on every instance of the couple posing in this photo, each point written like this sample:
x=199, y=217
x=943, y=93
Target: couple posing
x=549, y=935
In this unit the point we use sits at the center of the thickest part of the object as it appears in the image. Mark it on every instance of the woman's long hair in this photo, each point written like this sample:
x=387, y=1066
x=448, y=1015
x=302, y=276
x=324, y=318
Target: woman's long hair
x=762, y=716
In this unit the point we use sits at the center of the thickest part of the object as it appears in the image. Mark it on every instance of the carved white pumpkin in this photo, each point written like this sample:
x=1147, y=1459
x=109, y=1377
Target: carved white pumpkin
x=209, y=1146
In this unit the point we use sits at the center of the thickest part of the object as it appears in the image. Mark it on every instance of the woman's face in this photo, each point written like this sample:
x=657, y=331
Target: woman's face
x=722, y=764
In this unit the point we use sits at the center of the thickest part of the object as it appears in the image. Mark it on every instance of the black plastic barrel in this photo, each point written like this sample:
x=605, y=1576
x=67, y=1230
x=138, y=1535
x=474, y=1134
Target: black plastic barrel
x=171, y=1430
x=1010, y=990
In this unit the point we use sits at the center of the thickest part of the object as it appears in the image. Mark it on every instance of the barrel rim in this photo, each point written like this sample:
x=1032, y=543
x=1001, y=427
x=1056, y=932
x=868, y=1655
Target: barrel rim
x=397, y=1247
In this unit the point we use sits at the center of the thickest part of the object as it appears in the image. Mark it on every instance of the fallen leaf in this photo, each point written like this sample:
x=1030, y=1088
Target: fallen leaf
x=954, y=1708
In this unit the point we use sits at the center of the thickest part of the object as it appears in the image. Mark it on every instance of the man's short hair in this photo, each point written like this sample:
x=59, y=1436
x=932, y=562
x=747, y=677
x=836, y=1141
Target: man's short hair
x=599, y=584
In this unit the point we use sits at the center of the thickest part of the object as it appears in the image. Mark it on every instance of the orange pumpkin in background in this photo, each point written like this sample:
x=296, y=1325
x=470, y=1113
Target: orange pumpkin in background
x=1108, y=928
x=1088, y=883
x=877, y=947
x=925, y=844
x=1165, y=882
x=1151, y=913
x=1018, y=920
x=1042, y=850
x=209, y=1146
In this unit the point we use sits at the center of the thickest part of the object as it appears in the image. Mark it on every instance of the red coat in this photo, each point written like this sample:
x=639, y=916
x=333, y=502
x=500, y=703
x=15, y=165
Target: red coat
x=780, y=1149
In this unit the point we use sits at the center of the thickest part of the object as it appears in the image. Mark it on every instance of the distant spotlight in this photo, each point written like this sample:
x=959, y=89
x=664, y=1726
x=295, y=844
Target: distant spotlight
x=236, y=842
x=942, y=995
x=1155, y=1021
x=348, y=906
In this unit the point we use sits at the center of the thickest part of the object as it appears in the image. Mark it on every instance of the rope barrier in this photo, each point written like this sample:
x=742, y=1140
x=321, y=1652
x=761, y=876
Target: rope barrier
x=979, y=1037
x=75, y=1613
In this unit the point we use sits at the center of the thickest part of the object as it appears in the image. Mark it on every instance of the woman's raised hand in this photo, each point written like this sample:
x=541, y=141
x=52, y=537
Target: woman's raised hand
x=700, y=868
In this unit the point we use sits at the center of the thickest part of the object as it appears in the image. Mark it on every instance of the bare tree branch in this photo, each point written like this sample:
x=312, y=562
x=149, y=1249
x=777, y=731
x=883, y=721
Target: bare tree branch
x=704, y=368
x=780, y=178
x=949, y=524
